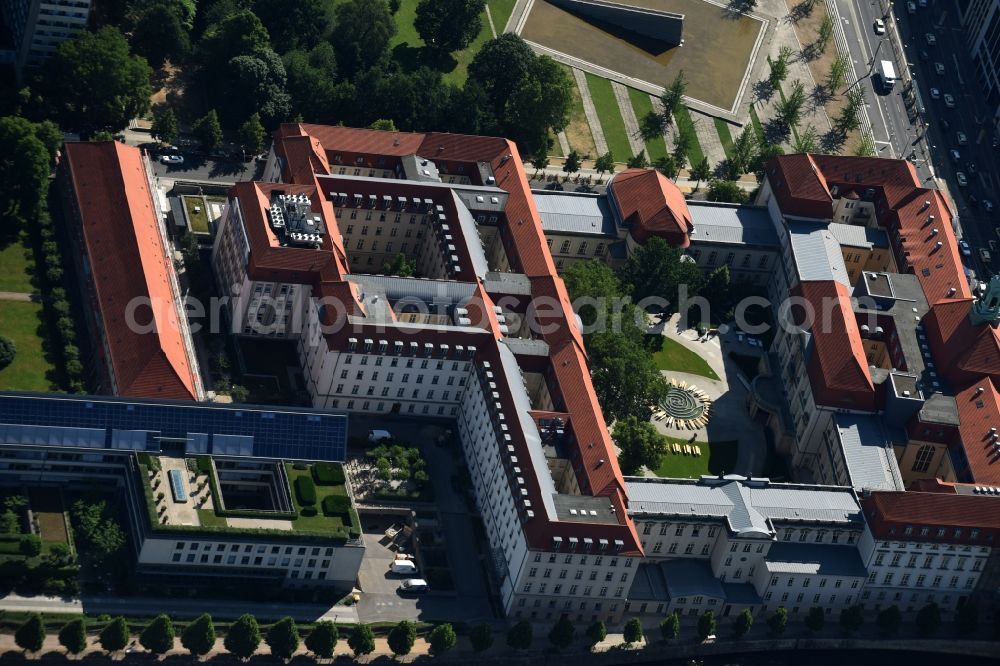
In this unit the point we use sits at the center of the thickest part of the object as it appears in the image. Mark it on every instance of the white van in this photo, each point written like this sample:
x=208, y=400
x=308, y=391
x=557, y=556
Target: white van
x=413, y=586
x=378, y=435
x=404, y=567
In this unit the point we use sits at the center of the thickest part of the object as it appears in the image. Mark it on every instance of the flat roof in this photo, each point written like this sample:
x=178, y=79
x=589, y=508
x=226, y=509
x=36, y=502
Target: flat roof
x=732, y=223
x=856, y=235
x=575, y=213
x=868, y=454
x=584, y=509
x=815, y=559
x=817, y=253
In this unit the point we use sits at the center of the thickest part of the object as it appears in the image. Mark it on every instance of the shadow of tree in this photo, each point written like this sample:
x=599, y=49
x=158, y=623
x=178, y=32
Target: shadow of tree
x=763, y=91
x=820, y=95
x=412, y=58
x=833, y=141
x=800, y=11
x=775, y=130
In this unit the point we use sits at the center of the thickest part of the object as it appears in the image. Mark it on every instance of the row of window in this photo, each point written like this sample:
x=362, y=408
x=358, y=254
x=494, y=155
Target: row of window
x=911, y=562
x=384, y=393
x=366, y=406
x=581, y=249
x=762, y=262
x=889, y=579
x=578, y=575
x=587, y=590
x=598, y=559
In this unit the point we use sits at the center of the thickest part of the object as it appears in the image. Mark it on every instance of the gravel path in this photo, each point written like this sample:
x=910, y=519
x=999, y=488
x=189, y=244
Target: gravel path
x=635, y=141
x=600, y=143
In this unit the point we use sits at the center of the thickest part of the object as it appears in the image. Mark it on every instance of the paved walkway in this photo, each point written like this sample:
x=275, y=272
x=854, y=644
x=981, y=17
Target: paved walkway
x=600, y=143
x=668, y=133
x=489, y=17
x=635, y=141
x=19, y=296
x=708, y=137
x=563, y=142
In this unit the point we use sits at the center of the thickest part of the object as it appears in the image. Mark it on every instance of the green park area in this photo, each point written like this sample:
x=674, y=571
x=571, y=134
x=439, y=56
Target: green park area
x=611, y=117
x=672, y=355
x=411, y=52
x=196, y=214
x=31, y=369
x=715, y=458
x=320, y=497
x=17, y=266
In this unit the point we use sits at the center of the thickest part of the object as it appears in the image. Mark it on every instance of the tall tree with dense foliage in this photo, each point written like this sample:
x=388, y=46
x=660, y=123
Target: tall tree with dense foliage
x=596, y=632
x=639, y=444
x=626, y=379
x=208, y=130
x=24, y=172
x=520, y=635
x=889, y=620
x=500, y=66
x=815, y=619
x=851, y=618
x=593, y=287
x=94, y=83
x=243, y=637
x=673, y=98
x=778, y=621
x=743, y=623
x=361, y=33
x=604, y=163
x=283, y=638
x=322, y=640
x=362, y=640
x=73, y=636
x=726, y=191
x=632, y=633
x=97, y=531
x=293, y=25
x=114, y=637
x=251, y=135
x=237, y=34
x=449, y=25
x=160, y=34
x=481, y=637
x=402, y=637
x=670, y=627
x=255, y=84
x=165, y=127
x=311, y=81
x=699, y=172
x=562, y=633
x=198, y=638
x=158, y=636
x=31, y=634
x=656, y=269
x=441, y=639
x=929, y=619
x=706, y=625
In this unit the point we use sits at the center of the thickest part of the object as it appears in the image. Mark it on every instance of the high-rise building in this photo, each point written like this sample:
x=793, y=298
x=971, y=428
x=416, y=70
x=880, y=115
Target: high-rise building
x=981, y=24
x=38, y=27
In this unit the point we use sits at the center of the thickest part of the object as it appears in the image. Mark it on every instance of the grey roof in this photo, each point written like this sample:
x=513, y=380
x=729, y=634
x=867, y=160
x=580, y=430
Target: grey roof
x=420, y=168
x=575, y=213
x=868, y=455
x=507, y=283
x=470, y=232
x=432, y=291
x=732, y=223
x=748, y=505
x=525, y=347
x=584, y=509
x=856, y=235
x=678, y=577
x=940, y=408
x=815, y=559
x=817, y=253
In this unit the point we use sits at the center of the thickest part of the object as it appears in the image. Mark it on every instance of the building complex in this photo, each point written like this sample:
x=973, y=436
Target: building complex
x=37, y=27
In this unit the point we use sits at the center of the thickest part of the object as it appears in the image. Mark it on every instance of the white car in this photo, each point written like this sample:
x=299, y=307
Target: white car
x=949, y=101
x=172, y=159
x=935, y=93
x=931, y=39
x=939, y=68
x=879, y=27
x=955, y=155
x=962, y=180
x=962, y=139
x=414, y=586
x=963, y=245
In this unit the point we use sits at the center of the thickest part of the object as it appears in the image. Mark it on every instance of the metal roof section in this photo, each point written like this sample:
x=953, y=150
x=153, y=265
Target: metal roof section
x=749, y=505
x=856, y=235
x=420, y=169
x=448, y=292
x=816, y=253
x=732, y=223
x=575, y=213
x=868, y=455
x=815, y=560
x=471, y=233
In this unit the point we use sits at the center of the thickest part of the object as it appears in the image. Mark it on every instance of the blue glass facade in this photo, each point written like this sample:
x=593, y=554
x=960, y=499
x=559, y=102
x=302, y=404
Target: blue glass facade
x=149, y=425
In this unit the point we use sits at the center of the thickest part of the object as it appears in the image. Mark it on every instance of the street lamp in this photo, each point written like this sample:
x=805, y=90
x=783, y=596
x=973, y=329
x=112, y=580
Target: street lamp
x=871, y=67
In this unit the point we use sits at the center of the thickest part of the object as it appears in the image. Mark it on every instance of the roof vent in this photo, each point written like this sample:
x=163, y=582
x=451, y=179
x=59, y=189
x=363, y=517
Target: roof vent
x=934, y=231
x=978, y=392
x=879, y=330
x=951, y=292
x=906, y=394
x=939, y=244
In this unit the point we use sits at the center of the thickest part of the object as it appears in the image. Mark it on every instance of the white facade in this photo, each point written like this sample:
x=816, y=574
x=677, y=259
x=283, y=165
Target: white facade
x=38, y=27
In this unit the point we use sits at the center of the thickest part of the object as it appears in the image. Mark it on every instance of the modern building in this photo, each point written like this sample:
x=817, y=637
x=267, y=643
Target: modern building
x=138, y=331
x=981, y=25
x=38, y=27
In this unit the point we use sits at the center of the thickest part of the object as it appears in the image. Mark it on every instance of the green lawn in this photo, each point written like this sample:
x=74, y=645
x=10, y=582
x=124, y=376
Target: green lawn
x=408, y=49
x=501, y=11
x=755, y=121
x=672, y=355
x=643, y=105
x=208, y=518
x=17, y=266
x=319, y=522
x=685, y=125
x=30, y=370
x=725, y=136
x=716, y=458
x=611, y=117
x=199, y=218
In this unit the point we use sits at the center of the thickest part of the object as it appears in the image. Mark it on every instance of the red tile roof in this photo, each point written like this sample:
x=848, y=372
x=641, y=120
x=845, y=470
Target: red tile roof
x=978, y=406
x=889, y=514
x=964, y=352
x=651, y=205
x=837, y=366
x=128, y=263
x=799, y=186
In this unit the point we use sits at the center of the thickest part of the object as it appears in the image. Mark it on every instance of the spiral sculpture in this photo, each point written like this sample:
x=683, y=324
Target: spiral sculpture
x=684, y=406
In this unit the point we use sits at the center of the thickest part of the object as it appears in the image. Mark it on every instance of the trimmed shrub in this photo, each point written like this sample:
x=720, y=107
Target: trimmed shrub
x=54, y=273
x=60, y=307
x=328, y=474
x=8, y=350
x=305, y=490
x=336, y=505
x=308, y=511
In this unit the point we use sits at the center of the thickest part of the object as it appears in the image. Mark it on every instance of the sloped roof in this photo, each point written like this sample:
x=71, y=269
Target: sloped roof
x=896, y=510
x=800, y=186
x=129, y=263
x=978, y=406
x=651, y=205
x=964, y=351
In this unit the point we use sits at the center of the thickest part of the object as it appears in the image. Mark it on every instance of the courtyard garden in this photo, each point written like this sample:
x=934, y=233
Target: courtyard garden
x=33, y=368
x=392, y=471
x=36, y=555
x=672, y=355
x=711, y=458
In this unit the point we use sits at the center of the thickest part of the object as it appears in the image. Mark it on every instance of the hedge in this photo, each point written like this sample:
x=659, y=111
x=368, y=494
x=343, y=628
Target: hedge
x=337, y=505
x=305, y=489
x=328, y=474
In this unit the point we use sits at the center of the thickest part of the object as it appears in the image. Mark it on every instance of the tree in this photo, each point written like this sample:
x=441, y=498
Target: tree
x=283, y=638
x=362, y=640
x=667, y=165
x=402, y=637
x=97, y=530
x=638, y=161
x=243, y=637
x=815, y=619
x=789, y=109
x=400, y=266
x=293, y=25
x=441, y=639
x=656, y=269
x=838, y=73
x=726, y=190
x=596, y=632
x=208, y=131
x=198, y=638
x=670, y=627
x=30, y=635
x=386, y=125
x=765, y=153
x=626, y=379
x=699, y=172
x=238, y=33
x=251, y=135
x=158, y=636
x=825, y=32
x=779, y=67
x=562, y=633
x=255, y=83
x=361, y=33
x=673, y=97
x=746, y=147
x=651, y=126
x=481, y=637
x=967, y=618
x=852, y=618
x=519, y=636
x=806, y=141
x=24, y=171
x=928, y=619
x=778, y=620
x=706, y=625
x=30, y=545
x=161, y=35
x=322, y=640
x=889, y=619
x=639, y=444
x=540, y=162
x=743, y=623
x=604, y=163
x=865, y=147
x=849, y=118
x=114, y=637
x=632, y=632
x=500, y=67
x=716, y=289
x=93, y=83
x=572, y=164
x=449, y=25
x=73, y=636
x=538, y=104
x=165, y=127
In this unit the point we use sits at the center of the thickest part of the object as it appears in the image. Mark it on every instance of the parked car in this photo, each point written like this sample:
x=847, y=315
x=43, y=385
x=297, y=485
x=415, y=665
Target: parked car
x=879, y=27
x=963, y=245
x=404, y=567
x=414, y=586
x=931, y=39
x=911, y=8
x=939, y=68
x=955, y=155
x=961, y=138
x=962, y=180
x=987, y=205
x=935, y=93
x=949, y=101
x=378, y=435
x=172, y=159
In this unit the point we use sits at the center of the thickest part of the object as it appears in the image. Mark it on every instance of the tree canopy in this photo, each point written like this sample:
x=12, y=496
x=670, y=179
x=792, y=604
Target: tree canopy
x=158, y=636
x=449, y=25
x=24, y=169
x=632, y=633
x=161, y=34
x=743, y=623
x=198, y=638
x=639, y=444
x=73, y=636
x=362, y=640
x=31, y=634
x=778, y=620
x=481, y=637
x=562, y=633
x=361, y=34
x=656, y=269
x=402, y=637
x=670, y=627
x=520, y=635
x=283, y=638
x=115, y=635
x=252, y=135
x=441, y=639
x=597, y=632
x=706, y=625
x=322, y=640
x=293, y=25
x=243, y=637
x=165, y=127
